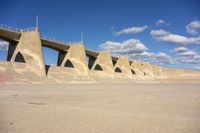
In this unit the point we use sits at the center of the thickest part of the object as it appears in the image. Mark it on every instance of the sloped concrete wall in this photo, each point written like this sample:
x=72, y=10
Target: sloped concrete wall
x=137, y=67
x=15, y=72
x=124, y=65
x=104, y=61
x=29, y=50
x=77, y=56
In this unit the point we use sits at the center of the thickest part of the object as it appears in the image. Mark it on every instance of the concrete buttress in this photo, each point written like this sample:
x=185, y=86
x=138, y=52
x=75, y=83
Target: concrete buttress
x=104, y=63
x=75, y=58
x=29, y=51
x=123, y=66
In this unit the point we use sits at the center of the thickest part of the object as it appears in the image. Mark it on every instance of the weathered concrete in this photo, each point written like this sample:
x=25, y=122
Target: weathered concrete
x=122, y=67
x=74, y=58
x=29, y=51
x=102, y=66
x=26, y=47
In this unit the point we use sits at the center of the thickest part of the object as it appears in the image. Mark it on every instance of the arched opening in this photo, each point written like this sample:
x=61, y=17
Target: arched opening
x=133, y=72
x=98, y=67
x=118, y=70
x=19, y=58
x=68, y=63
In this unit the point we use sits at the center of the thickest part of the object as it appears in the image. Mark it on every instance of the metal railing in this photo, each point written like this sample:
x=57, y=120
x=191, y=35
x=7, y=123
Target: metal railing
x=53, y=40
x=10, y=28
x=14, y=29
x=28, y=29
x=59, y=41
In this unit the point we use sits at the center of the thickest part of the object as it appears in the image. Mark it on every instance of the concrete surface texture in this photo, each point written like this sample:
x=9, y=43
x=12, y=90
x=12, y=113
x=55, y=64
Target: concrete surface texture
x=75, y=63
x=103, y=66
x=122, y=67
x=29, y=51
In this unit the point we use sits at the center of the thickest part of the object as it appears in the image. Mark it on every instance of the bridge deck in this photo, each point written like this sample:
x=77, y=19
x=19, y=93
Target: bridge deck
x=10, y=36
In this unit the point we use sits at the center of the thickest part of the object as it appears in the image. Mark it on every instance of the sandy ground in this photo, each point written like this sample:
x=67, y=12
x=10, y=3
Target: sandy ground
x=100, y=108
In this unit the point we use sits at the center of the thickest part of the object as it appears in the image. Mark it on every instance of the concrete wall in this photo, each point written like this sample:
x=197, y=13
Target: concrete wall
x=124, y=65
x=29, y=51
x=77, y=57
x=72, y=63
x=104, y=61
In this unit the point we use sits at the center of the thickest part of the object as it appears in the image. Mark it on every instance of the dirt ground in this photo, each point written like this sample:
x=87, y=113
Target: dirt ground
x=100, y=108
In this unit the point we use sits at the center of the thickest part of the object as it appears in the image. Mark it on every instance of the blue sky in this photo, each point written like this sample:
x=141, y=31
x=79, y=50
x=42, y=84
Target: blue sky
x=164, y=32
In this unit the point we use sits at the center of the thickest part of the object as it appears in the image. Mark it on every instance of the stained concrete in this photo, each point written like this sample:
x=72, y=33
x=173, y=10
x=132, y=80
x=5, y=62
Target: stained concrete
x=26, y=48
x=122, y=68
x=29, y=51
x=74, y=59
x=103, y=66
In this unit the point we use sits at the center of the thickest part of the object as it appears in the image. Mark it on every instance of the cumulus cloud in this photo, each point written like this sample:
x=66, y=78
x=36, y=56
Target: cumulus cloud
x=3, y=45
x=165, y=36
x=179, y=50
x=159, y=58
x=131, y=30
x=126, y=47
x=186, y=56
x=160, y=22
x=196, y=68
x=193, y=27
x=135, y=50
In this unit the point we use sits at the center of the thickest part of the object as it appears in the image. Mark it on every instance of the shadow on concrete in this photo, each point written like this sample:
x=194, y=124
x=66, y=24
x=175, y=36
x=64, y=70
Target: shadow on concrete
x=47, y=69
x=98, y=67
x=133, y=72
x=118, y=70
x=19, y=58
x=68, y=63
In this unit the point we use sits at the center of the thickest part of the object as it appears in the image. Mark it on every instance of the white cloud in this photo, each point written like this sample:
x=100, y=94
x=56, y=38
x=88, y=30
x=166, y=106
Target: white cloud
x=159, y=58
x=160, y=22
x=3, y=45
x=193, y=28
x=135, y=50
x=126, y=47
x=185, y=56
x=165, y=36
x=131, y=30
x=180, y=50
x=196, y=68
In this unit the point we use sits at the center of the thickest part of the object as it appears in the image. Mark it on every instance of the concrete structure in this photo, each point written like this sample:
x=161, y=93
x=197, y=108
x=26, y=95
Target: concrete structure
x=74, y=57
x=28, y=50
x=122, y=67
x=102, y=64
x=25, y=46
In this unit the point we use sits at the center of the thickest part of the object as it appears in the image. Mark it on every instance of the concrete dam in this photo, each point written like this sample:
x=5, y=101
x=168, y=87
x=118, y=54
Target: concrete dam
x=25, y=63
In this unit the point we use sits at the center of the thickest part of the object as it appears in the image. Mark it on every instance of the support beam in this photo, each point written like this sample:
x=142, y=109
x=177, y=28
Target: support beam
x=76, y=57
x=29, y=50
x=11, y=49
x=123, y=66
x=104, y=64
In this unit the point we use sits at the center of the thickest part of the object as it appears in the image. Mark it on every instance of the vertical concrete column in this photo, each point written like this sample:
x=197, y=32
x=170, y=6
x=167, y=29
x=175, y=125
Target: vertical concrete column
x=29, y=51
x=11, y=49
x=76, y=58
x=124, y=65
x=91, y=62
x=104, y=63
